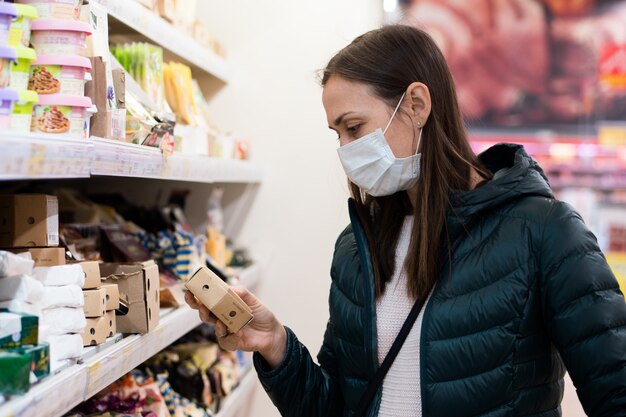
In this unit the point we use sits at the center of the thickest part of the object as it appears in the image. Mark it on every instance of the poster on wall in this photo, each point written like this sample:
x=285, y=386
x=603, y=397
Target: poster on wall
x=530, y=64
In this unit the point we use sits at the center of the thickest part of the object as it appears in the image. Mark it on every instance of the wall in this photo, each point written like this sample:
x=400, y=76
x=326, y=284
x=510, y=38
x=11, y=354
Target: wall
x=275, y=101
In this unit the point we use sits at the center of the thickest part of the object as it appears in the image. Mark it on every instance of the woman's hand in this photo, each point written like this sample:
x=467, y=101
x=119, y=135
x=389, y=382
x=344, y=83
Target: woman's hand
x=264, y=334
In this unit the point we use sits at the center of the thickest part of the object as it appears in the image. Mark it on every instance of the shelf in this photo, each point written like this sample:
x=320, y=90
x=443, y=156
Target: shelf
x=238, y=399
x=102, y=365
x=32, y=156
x=151, y=26
x=41, y=156
x=248, y=277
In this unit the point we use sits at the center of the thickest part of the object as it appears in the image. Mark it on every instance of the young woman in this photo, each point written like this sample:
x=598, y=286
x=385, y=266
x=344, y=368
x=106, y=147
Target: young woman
x=514, y=287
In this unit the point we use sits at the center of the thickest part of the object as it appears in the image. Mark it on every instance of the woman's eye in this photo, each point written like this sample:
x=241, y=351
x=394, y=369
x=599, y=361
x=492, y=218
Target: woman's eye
x=353, y=129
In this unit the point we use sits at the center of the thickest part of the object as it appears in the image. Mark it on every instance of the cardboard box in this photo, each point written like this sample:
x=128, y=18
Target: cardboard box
x=138, y=284
x=28, y=220
x=47, y=256
x=92, y=274
x=112, y=296
x=214, y=293
x=95, y=302
x=112, y=322
x=96, y=331
x=167, y=9
x=29, y=334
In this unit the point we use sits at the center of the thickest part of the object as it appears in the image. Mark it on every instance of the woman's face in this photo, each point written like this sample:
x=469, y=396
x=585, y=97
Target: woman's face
x=353, y=111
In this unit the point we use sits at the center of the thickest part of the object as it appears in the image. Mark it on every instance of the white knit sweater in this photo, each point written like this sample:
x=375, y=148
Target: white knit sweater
x=401, y=387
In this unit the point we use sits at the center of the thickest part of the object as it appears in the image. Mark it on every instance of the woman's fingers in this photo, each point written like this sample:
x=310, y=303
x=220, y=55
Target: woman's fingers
x=191, y=300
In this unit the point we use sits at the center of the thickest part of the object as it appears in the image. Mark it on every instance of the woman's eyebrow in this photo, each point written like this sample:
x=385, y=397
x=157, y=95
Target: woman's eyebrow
x=340, y=118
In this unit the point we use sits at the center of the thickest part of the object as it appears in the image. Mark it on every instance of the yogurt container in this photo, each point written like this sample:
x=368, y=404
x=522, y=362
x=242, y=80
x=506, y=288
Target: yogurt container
x=19, y=34
x=7, y=58
x=23, y=111
x=8, y=12
x=59, y=37
x=59, y=114
x=8, y=98
x=56, y=9
x=59, y=74
x=20, y=70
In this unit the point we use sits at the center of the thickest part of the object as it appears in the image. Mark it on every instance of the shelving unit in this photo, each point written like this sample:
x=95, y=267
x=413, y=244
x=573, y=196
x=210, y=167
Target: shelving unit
x=137, y=19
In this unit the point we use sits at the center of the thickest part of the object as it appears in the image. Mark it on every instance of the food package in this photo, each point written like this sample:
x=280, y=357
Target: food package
x=63, y=320
x=40, y=358
x=44, y=257
x=112, y=296
x=13, y=264
x=15, y=375
x=179, y=92
x=63, y=296
x=28, y=333
x=65, y=346
x=71, y=274
x=95, y=302
x=144, y=62
x=19, y=306
x=29, y=220
x=21, y=287
x=10, y=329
x=96, y=331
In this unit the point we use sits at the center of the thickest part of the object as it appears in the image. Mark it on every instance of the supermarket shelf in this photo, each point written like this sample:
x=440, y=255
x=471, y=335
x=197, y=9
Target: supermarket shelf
x=239, y=398
x=32, y=156
x=148, y=24
x=249, y=277
x=114, y=158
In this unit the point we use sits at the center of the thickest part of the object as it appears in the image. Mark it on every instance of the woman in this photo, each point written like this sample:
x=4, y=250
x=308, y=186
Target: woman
x=515, y=287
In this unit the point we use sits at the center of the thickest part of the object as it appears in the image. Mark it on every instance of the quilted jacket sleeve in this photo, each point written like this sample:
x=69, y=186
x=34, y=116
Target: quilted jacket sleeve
x=584, y=311
x=298, y=387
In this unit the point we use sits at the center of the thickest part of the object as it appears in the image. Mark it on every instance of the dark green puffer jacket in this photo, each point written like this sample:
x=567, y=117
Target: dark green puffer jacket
x=530, y=295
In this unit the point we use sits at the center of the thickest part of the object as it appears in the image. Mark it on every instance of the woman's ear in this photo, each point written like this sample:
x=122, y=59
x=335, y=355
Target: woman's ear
x=419, y=100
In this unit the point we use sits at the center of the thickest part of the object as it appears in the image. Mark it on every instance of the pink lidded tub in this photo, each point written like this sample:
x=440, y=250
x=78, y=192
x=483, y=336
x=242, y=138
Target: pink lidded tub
x=7, y=57
x=60, y=114
x=8, y=12
x=56, y=9
x=59, y=37
x=8, y=97
x=59, y=74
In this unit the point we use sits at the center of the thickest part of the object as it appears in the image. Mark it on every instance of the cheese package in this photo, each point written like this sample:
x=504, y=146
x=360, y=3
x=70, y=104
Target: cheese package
x=220, y=299
x=95, y=302
x=29, y=220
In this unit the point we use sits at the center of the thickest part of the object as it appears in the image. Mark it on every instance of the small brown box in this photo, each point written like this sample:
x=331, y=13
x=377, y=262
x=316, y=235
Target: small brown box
x=218, y=297
x=92, y=274
x=111, y=319
x=112, y=296
x=45, y=256
x=28, y=220
x=96, y=331
x=95, y=302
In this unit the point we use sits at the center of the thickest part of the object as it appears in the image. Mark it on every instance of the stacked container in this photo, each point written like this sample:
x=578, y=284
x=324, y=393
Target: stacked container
x=58, y=72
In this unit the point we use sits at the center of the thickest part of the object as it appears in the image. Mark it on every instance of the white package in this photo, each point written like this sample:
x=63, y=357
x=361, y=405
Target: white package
x=19, y=306
x=20, y=287
x=63, y=320
x=55, y=276
x=63, y=296
x=66, y=346
x=10, y=324
x=12, y=264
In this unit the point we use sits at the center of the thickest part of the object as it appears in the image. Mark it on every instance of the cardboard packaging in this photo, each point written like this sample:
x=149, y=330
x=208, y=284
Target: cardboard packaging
x=47, y=256
x=95, y=302
x=28, y=220
x=92, y=274
x=112, y=321
x=40, y=358
x=138, y=284
x=96, y=331
x=220, y=299
x=112, y=296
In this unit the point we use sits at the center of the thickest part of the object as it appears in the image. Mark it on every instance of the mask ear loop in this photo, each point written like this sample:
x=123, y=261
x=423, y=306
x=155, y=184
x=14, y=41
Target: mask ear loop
x=394, y=113
x=419, y=138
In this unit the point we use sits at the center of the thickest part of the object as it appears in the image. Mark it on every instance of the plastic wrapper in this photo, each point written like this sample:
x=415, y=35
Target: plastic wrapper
x=60, y=275
x=66, y=346
x=15, y=264
x=21, y=287
x=63, y=296
x=19, y=306
x=63, y=320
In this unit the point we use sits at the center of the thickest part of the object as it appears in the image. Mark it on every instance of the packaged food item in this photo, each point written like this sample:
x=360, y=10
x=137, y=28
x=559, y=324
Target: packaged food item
x=144, y=63
x=13, y=264
x=21, y=287
x=59, y=74
x=63, y=296
x=65, y=346
x=19, y=33
x=22, y=115
x=56, y=276
x=7, y=14
x=28, y=220
x=8, y=98
x=112, y=296
x=60, y=114
x=95, y=302
x=10, y=329
x=7, y=58
x=44, y=257
x=59, y=37
x=40, y=358
x=29, y=329
x=63, y=320
x=18, y=306
x=179, y=92
x=15, y=375
x=20, y=71
x=96, y=331
x=55, y=9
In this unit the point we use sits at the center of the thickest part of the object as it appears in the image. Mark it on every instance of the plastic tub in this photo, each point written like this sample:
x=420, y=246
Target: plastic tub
x=20, y=71
x=59, y=37
x=7, y=58
x=56, y=9
x=8, y=98
x=59, y=74
x=19, y=34
x=8, y=12
x=23, y=111
x=60, y=114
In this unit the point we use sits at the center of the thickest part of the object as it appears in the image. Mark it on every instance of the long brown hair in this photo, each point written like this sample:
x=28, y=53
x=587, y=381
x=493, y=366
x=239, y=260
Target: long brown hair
x=388, y=60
